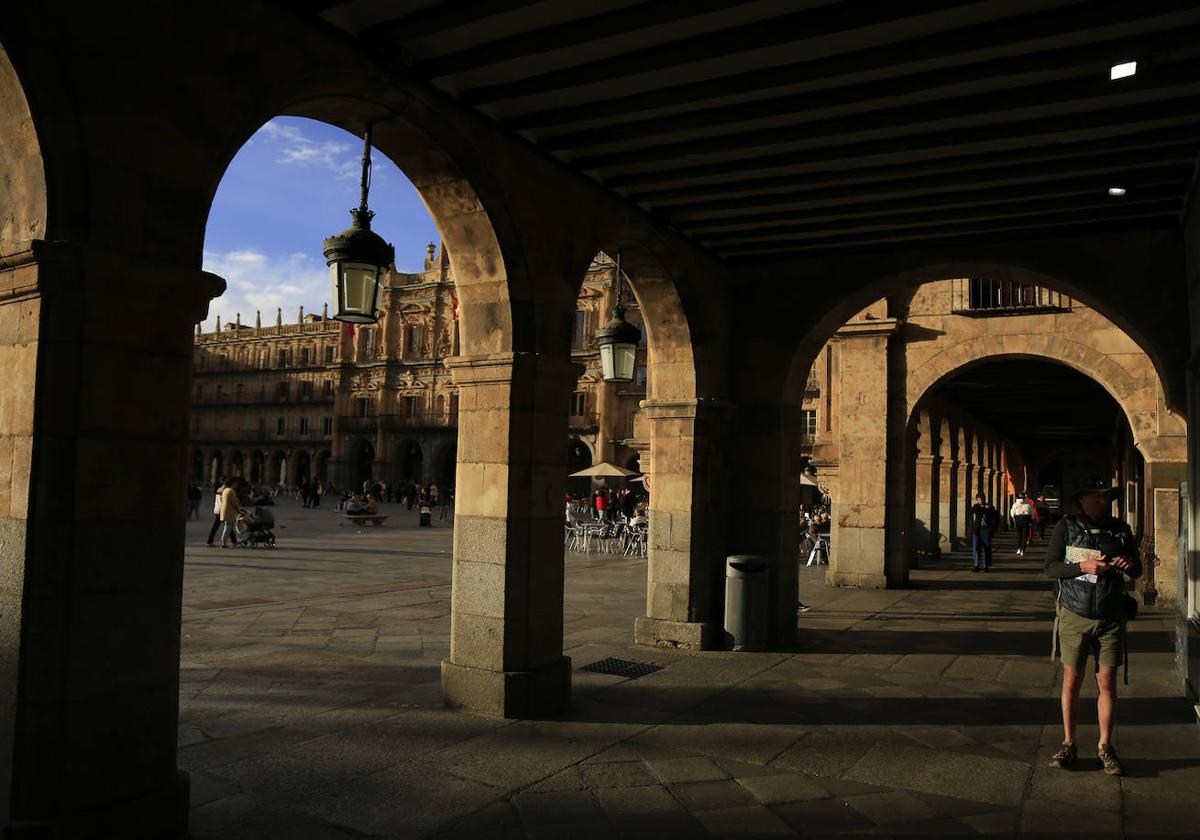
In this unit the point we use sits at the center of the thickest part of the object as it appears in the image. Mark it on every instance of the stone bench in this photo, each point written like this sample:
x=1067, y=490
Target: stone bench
x=375, y=519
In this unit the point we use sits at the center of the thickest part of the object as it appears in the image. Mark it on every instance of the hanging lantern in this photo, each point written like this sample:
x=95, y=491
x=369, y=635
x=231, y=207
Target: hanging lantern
x=618, y=340
x=357, y=258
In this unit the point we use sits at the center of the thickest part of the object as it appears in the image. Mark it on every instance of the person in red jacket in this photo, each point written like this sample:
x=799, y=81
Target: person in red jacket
x=602, y=505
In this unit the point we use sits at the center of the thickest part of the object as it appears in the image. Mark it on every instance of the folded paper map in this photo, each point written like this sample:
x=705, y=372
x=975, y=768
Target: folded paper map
x=1078, y=555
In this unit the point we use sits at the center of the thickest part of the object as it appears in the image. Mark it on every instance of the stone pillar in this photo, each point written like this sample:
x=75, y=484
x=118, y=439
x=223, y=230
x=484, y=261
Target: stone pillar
x=506, y=630
x=928, y=504
x=89, y=620
x=860, y=509
x=688, y=510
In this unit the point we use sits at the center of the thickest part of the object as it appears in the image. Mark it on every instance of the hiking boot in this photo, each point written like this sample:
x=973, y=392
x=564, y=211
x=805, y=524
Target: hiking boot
x=1108, y=757
x=1065, y=756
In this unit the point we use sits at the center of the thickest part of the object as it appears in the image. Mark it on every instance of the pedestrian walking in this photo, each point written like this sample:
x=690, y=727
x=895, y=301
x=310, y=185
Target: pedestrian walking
x=984, y=522
x=212, y=532
x=1041, y=512
x=230, y=506
x=447, y=503
x=1022, y=514
x=194, y=495
x=1089, y=555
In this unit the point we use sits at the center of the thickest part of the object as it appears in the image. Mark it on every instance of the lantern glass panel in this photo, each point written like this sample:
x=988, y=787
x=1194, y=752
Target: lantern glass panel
x=625, y=358
x=358, y=292
x=606, y=362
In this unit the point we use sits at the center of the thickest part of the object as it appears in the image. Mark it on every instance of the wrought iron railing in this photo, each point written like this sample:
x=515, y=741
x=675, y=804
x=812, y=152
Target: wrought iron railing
x=983, y=296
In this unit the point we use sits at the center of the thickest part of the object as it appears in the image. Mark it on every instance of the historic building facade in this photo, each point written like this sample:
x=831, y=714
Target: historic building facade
x=286, y=402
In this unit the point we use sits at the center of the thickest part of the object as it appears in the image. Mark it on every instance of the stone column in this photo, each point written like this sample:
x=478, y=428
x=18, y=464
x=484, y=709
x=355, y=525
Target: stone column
x=928, y=503
x=860, y=509
x=688, y=510
x=506, y=630
x=89, y=620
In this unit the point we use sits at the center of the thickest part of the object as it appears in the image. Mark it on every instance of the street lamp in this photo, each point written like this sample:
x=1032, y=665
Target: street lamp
x=357, y=257
x=618, y=339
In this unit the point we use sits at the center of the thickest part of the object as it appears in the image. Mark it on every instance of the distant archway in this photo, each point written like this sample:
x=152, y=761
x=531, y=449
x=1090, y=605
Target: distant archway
x=411, y=461
x=579, y=457
x=362, y=462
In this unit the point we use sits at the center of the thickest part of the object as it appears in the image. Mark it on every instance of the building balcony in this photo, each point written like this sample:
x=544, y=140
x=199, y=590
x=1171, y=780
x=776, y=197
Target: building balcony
x=588, y=421
x=394, y=422
x=260, y=399
x=981, y=297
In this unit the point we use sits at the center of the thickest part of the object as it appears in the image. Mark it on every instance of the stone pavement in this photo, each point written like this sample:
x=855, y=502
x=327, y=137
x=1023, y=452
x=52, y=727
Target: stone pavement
x=310, y=709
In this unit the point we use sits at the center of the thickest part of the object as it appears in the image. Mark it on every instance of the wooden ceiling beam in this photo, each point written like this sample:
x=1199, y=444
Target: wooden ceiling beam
x=938, y=142
x=439, y=17
x=1017, y=35
x=1133, y=219
x=1134, y=148
x=816, y=24
x=1099, y=208
x=1052, y=100
x=572, y=33
x=1091, y=61
x=963, y=195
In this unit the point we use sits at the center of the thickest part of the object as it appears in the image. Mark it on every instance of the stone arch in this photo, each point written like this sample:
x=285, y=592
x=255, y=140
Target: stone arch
x=1137, y=398
x=1071, y=270
x=411, y=457
x=23, y=213
x=468, y=208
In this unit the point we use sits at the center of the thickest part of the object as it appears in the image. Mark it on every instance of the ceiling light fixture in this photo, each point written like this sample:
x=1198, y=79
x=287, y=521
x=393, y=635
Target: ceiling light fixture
x=1120, y=71
x=1116, y=191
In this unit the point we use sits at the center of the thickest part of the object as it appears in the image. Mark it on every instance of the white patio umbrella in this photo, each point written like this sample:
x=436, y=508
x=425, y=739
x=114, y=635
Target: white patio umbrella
x=603, y=470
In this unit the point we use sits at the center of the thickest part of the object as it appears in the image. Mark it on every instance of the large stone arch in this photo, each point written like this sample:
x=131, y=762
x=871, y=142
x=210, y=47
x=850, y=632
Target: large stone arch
x=22, y=169
x=1137, y=398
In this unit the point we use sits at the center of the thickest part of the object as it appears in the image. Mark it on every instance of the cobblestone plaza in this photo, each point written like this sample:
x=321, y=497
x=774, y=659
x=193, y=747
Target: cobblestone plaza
x=311, y=708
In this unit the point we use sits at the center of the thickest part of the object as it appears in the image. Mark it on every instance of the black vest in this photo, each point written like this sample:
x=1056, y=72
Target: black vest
x=1103, y=598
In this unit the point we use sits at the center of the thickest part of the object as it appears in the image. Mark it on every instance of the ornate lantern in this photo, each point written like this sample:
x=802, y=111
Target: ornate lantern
x=357, y=258
x=618, y=339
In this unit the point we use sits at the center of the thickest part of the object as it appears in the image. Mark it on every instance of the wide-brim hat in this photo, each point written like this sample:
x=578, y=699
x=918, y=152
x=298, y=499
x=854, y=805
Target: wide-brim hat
x=1097, y=486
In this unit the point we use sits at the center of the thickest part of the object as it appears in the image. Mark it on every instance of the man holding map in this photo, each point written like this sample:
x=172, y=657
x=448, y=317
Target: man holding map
x=1089, y=554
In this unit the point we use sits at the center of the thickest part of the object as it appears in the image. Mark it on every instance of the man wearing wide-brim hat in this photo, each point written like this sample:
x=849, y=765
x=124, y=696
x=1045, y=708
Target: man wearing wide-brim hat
x=1089, y=555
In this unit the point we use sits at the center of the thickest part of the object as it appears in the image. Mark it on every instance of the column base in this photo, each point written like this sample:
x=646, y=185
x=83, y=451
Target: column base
x=162, y=814
x=508, y=694
x=681, y=635
x=857, y=580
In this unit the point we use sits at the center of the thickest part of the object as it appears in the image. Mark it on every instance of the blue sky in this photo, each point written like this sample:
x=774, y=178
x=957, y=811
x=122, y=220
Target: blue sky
x=288, y=188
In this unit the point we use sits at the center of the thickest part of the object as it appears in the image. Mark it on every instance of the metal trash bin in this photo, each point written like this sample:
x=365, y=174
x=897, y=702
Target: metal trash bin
x=747, y=601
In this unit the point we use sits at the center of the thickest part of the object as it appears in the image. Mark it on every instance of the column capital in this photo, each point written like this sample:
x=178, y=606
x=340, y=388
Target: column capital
x=496, y=368
x=685, y=409
x=56, y=269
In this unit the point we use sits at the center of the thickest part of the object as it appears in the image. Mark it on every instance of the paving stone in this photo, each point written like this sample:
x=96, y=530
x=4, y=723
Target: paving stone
x=954, y=774
x=823, y=816
x=891, y=807
x=821, y=753
x=750, y=821
x=702, y=796
x=1040, y=816
x=694, y=769
x=618, y=774
x=557, y=807
x=779, y=788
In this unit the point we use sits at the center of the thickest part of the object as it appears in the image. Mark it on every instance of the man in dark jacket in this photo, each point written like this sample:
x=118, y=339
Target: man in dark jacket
x=984, y=522
x=1088, y=556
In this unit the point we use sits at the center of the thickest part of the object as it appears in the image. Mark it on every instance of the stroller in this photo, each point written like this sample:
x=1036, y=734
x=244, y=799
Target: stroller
x=254, y=530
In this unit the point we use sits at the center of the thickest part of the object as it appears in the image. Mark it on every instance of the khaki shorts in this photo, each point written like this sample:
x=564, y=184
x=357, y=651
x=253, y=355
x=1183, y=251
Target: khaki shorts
x=1079, y=637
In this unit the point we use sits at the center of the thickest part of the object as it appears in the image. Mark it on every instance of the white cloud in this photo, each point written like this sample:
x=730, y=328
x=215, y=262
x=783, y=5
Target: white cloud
x=256, y=281
x=295, y=148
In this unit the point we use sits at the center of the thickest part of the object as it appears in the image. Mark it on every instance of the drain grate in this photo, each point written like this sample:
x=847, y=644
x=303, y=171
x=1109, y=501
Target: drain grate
x=622, y=668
